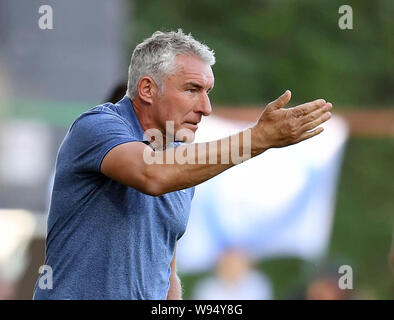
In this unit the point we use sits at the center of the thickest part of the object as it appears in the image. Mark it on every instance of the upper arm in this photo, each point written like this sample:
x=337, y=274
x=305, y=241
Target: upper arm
x=92, y=136
x=125, y=164
x=104, y=143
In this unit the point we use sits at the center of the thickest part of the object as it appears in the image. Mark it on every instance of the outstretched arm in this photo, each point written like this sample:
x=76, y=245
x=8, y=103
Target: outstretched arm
x=276, y=127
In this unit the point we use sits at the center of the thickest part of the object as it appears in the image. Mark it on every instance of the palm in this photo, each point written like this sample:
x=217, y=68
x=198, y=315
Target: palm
x=281, y=126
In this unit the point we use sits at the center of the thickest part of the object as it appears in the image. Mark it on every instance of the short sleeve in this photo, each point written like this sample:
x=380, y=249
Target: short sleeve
x=93, y=135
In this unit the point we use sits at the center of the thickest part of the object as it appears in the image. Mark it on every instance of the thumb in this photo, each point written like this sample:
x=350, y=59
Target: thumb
x=281, y=101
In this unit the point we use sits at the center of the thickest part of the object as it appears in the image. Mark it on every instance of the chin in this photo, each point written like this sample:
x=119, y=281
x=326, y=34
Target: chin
x=185, y=135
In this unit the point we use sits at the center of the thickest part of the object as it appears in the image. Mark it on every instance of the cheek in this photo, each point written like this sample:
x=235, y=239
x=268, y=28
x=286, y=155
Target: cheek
x=168, y=106
x=181, y=105
x=176, y=106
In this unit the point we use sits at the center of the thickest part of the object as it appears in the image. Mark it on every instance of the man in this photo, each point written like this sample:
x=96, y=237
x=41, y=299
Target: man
x=115, y=215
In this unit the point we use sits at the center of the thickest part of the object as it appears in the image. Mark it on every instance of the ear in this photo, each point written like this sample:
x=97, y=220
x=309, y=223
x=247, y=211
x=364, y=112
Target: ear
x=147, y=89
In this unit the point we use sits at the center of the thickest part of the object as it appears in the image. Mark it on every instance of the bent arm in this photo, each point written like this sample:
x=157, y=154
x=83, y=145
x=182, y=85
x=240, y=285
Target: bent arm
x=128, y=164
x=131, y=163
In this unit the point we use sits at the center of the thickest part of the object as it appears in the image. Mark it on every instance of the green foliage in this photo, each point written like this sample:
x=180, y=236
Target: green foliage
x=364, y=217
x=265, y=47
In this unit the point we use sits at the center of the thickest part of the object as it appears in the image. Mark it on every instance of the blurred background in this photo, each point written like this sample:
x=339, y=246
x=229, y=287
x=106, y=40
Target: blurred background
x=325, y=204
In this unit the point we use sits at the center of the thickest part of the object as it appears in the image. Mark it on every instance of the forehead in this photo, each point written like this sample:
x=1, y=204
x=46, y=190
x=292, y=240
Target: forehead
x=193, y=68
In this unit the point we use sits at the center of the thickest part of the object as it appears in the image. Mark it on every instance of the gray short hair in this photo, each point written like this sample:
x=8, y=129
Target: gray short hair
x=155, y=57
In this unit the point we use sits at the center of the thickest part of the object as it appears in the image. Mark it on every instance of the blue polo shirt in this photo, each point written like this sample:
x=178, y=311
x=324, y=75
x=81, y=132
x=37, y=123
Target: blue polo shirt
x=106, y=240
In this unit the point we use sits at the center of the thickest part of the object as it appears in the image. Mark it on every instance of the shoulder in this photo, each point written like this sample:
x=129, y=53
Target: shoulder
x=103, y=111
x=99, y=118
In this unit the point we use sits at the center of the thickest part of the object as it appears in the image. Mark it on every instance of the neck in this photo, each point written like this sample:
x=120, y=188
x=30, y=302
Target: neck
x=146, y=120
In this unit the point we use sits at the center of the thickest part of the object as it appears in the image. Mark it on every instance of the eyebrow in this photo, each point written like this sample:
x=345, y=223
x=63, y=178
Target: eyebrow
x=197, y=85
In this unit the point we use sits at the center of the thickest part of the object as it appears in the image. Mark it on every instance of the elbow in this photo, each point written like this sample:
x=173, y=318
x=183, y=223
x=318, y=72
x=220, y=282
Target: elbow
x=153, y=184
x=153, y=189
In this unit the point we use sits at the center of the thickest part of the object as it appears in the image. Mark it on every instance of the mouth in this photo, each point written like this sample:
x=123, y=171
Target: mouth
x=193, y=125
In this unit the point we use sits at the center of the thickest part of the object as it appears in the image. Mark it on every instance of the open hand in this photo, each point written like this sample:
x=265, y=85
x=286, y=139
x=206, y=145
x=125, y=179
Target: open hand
x=279, y=127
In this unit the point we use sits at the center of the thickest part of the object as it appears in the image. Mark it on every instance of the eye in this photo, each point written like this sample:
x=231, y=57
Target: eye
x=191, y=90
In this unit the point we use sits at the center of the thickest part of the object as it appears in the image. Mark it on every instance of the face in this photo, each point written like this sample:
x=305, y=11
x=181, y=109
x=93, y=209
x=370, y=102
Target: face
x=184, y=99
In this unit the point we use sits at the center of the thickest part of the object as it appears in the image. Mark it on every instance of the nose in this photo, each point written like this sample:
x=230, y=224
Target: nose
x=204, y=105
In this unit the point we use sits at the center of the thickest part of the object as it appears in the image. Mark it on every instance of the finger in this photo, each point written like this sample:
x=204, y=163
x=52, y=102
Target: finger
x=309, y=134
x=315, y=114
x=306, y=108
x=313, y=124
x=281, y=101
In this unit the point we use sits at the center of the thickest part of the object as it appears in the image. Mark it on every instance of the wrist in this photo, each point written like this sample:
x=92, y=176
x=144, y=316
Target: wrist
x=259, y=142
